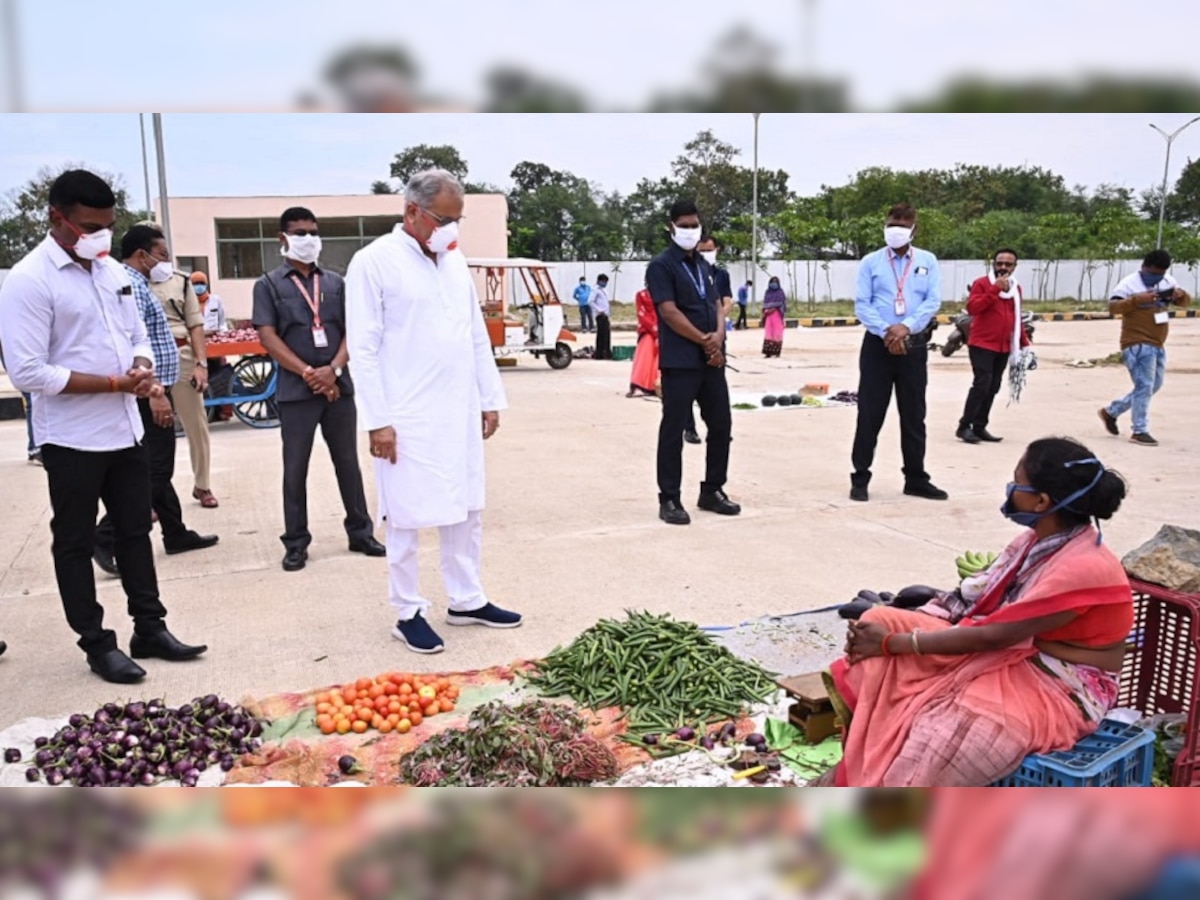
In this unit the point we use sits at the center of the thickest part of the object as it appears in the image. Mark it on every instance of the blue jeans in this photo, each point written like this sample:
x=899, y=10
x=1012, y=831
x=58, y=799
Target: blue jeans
x=32, y=448
x=587, y=321
x=1147, y=365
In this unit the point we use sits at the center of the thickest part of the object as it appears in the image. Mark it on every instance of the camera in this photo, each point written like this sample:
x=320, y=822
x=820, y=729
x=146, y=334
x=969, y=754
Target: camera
x=1165, y=295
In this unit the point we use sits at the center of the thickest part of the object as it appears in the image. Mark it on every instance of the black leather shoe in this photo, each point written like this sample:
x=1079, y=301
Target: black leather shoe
x=106, y=562
x=691, y=437
x=984, y=435
x=718, y=501
x=672, y=513
x=116, y=667
x=295, y=560
x=190, y=541
x=163, y=645
x=3, y=647
x=859, y=492
x=927, y=491
x=368, y=546
x=967, y=435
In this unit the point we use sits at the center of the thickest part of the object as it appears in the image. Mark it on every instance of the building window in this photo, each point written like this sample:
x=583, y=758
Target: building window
x=192, y=264
x=246, y=248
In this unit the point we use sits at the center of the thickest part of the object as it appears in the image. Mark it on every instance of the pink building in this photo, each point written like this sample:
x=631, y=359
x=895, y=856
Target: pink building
x=234, y=240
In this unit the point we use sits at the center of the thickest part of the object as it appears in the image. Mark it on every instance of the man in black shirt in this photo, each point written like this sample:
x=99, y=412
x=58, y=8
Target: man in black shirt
x=300, y=314
x=692, y=359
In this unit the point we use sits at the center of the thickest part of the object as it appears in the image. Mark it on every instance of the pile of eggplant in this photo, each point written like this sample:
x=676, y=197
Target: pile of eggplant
x=910, y=597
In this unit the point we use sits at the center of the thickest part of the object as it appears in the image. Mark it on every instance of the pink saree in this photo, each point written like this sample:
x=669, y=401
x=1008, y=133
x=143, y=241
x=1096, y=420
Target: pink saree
x=971, y=719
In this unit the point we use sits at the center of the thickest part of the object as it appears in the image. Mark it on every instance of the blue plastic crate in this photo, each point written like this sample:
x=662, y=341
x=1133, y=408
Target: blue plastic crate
x=1117, y=755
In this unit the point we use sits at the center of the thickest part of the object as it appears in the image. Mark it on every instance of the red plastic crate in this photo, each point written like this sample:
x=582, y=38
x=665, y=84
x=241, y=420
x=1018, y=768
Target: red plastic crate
x=1162, y=670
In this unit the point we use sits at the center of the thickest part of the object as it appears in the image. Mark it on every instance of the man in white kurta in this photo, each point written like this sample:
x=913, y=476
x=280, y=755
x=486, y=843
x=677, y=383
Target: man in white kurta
x=429, y=393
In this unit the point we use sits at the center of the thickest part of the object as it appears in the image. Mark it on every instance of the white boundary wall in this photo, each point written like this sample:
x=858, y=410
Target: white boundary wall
x=803, y=280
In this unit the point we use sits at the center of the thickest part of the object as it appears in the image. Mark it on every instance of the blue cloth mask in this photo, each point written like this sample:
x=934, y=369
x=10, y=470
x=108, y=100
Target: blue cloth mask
x=201, y=290
x=1150, y=279
x=1030, y=519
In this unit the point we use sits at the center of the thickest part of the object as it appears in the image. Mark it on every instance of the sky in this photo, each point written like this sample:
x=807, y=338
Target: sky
x=307, y=154
x=230, y=54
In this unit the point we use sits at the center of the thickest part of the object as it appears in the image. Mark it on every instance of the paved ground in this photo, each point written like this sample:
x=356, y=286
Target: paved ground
x=572, y=533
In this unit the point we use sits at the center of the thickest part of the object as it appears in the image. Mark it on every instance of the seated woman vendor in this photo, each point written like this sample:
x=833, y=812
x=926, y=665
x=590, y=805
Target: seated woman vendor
x=1020, y=659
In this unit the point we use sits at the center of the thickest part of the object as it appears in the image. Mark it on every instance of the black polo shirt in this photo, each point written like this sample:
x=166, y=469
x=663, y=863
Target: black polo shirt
x=674, y=277
x=279, y=304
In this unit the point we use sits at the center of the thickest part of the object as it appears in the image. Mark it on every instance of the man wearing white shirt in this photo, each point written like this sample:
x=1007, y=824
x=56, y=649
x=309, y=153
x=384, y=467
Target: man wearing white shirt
x=74, y=337
x=429, y=394
x=599, y=301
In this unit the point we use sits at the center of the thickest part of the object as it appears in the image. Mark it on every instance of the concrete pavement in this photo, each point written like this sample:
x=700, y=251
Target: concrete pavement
x=571, y=531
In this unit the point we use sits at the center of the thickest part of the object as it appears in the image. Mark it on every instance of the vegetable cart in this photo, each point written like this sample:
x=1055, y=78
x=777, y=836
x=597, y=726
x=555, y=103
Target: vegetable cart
x=252, y=385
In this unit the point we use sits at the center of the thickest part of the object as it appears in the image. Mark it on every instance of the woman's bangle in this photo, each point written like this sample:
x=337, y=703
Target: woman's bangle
x=884, y=645
x=916, y=645
x=112, y=384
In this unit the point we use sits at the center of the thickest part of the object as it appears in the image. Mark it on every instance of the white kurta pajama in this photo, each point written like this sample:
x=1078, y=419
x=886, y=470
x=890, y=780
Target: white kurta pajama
x=423, y=364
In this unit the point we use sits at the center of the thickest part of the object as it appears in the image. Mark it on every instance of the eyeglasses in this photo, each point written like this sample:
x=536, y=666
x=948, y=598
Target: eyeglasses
x=304, y=232
x=441, y=221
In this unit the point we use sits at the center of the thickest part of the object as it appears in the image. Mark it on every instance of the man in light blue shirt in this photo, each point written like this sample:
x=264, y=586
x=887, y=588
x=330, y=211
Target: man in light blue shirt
x=583, y=293
x=897, y=295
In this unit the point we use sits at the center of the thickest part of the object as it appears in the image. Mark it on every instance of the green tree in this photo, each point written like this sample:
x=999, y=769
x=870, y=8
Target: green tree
x=1183, y=204
x=555, y=215
x=24, y=212
x=382, y=187
x=425, y=156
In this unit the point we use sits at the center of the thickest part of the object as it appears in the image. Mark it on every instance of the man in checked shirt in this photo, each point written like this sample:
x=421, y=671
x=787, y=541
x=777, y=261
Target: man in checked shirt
x=143, y=250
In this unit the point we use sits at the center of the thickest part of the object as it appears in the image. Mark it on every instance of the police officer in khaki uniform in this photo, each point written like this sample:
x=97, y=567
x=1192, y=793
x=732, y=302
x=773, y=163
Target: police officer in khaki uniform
x=186, y=320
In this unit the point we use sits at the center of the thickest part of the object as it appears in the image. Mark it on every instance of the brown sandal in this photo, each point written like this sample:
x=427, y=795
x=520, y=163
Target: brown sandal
x=206, y=498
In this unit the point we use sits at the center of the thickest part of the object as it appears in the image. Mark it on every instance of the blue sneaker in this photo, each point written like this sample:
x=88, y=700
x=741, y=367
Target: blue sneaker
x=417, y=635
x=490, y=615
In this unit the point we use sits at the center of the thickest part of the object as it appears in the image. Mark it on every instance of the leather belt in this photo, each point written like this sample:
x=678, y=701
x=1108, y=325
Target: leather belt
x=181, y=342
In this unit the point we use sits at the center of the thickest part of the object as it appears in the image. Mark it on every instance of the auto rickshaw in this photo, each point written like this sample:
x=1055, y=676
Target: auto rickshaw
x=543, y=332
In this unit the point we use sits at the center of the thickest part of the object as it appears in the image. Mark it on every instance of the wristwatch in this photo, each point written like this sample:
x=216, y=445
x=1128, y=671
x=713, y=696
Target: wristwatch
x=337, y=371
x=201, y=364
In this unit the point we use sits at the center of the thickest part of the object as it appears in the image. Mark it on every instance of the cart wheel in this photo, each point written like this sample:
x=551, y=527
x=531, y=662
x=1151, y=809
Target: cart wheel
x=560, y=357
x=253, y=375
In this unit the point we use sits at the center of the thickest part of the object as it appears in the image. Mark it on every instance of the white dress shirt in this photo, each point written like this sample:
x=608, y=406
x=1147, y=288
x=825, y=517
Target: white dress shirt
x=214, y=315
x=56, y=318
x=599, y=300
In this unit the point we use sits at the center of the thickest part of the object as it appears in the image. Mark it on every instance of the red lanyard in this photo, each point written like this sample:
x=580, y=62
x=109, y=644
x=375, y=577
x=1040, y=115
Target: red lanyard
x=900, y=279
x=314, y=305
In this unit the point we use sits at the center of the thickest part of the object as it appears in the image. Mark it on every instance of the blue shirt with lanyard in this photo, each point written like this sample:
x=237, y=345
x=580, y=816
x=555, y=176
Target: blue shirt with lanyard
x=897, y=290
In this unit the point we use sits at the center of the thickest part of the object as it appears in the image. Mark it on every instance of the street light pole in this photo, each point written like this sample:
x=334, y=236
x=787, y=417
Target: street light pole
x=160, y=157
x=754, y=208
x=12, y=48
x=145, y=164
x=1162, y=200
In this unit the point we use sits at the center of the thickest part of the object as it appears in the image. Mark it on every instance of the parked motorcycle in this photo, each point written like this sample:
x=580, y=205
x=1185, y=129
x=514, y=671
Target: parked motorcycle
x=961, y=332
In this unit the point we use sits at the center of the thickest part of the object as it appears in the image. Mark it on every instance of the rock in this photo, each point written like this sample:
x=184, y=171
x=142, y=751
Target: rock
x=1171, y=558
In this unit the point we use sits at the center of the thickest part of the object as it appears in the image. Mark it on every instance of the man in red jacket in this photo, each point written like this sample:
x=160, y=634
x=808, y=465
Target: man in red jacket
x=996, y=335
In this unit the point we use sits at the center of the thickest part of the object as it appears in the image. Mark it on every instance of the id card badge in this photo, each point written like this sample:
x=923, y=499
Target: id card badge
x=319, y=338
x=1162, y=317
x=901, y=307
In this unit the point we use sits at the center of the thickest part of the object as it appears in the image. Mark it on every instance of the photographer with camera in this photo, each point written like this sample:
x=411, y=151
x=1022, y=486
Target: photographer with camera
x=1142, y=300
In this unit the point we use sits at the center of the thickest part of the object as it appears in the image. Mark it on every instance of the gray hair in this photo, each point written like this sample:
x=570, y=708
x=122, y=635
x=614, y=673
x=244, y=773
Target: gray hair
x=424, y=187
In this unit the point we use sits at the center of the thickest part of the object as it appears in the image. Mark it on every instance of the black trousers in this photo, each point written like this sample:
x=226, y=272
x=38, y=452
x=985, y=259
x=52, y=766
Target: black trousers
x=160, y=452
x=603, y=337
x=78, y=481
x=988, y=366
x=681, y=388
x=587, y=322
x=298, y=421
x=741, y=322
x=879, y=372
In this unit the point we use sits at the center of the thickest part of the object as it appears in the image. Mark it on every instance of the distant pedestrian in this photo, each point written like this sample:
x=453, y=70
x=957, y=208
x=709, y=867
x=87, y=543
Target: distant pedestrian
x=1142, y=300
x=774, y=309
x=599, y=301
x=583, y=294
x=743, y=300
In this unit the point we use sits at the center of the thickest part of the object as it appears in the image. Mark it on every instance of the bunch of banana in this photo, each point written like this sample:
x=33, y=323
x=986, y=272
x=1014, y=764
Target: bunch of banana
x=972, y=563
